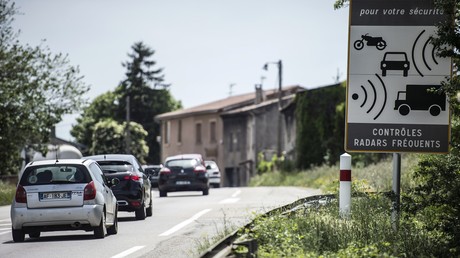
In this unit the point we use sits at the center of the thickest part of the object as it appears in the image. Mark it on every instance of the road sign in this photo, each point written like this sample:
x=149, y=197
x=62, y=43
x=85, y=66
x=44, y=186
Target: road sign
x=394, y=75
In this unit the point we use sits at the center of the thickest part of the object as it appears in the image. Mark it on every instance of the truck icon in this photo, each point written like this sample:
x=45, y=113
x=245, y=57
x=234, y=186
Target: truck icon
x=421, y=97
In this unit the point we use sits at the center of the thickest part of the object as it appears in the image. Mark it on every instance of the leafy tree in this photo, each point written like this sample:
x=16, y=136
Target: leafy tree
x=109, y=137
x=102, y=107
x=36, y=89
x=147, y=99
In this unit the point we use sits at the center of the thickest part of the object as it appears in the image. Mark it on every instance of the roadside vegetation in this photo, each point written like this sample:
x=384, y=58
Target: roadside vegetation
x=7, y=192
x=427, y=226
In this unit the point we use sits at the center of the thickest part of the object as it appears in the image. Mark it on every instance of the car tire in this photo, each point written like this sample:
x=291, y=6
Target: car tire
x=206, y=191
x=140, y=213
x=18, y=235
x=163, y=193
x=34, y=234
x=100, y=230
x=113, y=230
x=149, y=210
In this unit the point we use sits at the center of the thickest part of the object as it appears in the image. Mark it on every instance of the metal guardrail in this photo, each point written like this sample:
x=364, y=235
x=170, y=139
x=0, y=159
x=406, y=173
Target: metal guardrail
x=226, y=246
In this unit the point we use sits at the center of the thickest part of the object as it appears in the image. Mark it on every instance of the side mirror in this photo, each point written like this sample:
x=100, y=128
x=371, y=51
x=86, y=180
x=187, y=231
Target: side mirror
x=208, y=167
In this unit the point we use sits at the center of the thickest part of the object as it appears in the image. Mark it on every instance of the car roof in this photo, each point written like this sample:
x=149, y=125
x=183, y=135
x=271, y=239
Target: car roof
x=56, y=161
x=125, y=157
x=185, y=156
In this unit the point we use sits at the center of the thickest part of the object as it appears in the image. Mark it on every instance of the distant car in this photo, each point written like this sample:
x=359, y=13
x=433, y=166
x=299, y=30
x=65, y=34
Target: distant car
x=213, y=173
x=134, y=192
x=152, y=171
x=395, y=61
x=68, y=194
x=185, y=172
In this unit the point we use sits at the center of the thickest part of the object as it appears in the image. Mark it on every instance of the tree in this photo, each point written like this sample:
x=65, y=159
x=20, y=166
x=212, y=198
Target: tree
x=147, y=98
x=101, y=108
x=109, y=137
x=36, y=89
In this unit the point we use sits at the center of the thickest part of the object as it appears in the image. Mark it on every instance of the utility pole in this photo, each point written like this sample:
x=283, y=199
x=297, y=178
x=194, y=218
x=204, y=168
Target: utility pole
x=280, y=97
x=128, y=132
x=280, y=106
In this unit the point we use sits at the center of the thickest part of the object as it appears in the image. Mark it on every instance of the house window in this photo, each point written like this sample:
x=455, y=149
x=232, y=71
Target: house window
x=167, y=131
x=179, y=131
x=198, y=133
x=212, y=129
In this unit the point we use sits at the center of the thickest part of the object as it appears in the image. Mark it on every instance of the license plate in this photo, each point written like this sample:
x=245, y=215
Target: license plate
x=55, y=196
x=182, y=182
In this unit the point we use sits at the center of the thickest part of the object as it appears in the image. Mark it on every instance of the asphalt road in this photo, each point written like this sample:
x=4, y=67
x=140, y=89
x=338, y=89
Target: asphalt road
x=181, y=223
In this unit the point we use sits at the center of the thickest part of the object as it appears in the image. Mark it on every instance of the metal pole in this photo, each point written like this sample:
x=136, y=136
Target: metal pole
x=396, y=190
x=280, y=97
x=128, y=132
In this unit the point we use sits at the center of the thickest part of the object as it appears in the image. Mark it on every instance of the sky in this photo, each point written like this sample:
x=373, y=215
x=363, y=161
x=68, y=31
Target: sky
x=208, y=49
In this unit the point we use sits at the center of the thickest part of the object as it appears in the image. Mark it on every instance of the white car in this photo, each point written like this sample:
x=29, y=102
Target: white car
x=213, y=173
x=69, y=194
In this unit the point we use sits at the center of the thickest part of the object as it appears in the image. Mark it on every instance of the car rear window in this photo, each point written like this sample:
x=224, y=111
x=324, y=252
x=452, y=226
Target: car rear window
x=184, y=163
x=55, y=174
x=154, y=170
x=212, y=165
x=114, y=166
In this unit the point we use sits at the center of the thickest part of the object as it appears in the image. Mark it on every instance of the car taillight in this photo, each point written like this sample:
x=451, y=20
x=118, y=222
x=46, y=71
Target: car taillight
x=89, y=192
x=200, y=169
x=132, y=177
x=21, y=195
x=165, y=171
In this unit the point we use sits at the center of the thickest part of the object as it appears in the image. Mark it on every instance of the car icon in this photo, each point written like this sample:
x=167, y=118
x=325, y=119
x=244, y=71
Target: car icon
x=395, y=61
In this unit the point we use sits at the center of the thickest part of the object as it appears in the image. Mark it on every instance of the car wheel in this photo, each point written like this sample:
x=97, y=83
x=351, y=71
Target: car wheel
x=113, y=230
x=99, y=231
x=163, y=193
x=140, y=213
x=149, y=211
x=206, y=191
x=18, y=235
x=34, y=234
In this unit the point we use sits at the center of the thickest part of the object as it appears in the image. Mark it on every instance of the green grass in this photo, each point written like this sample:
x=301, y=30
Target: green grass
x=319, y=231
x=7, y=192
x=376, y=177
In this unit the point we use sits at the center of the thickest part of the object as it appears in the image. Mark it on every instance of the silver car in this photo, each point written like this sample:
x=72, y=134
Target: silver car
x=69, y=194
x=213, y=172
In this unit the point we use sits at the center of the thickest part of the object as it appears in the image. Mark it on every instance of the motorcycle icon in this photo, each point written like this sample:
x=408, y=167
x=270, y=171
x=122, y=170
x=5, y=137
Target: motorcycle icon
x=378, y=42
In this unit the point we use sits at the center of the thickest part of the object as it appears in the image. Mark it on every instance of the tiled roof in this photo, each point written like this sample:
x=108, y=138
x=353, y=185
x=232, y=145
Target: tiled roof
x=223, y=105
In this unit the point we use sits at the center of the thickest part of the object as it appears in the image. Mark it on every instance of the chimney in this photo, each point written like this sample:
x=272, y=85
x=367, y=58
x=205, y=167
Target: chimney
x=259, y=94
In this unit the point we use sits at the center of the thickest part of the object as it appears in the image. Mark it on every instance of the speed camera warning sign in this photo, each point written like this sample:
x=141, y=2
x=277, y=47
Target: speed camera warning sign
x=394, y=101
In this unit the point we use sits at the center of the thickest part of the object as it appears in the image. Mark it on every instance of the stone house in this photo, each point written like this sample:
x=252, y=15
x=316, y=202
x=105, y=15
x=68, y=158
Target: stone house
x=232, y=131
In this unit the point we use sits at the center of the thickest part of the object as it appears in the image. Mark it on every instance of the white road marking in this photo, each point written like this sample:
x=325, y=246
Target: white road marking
x=6, y=232
x=128, y=252
x=233, y=199
x=229, y=200
x=184, y=223
x=236, y=193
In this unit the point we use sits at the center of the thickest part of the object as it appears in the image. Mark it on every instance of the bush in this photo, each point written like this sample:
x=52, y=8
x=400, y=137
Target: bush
x=7, y=192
